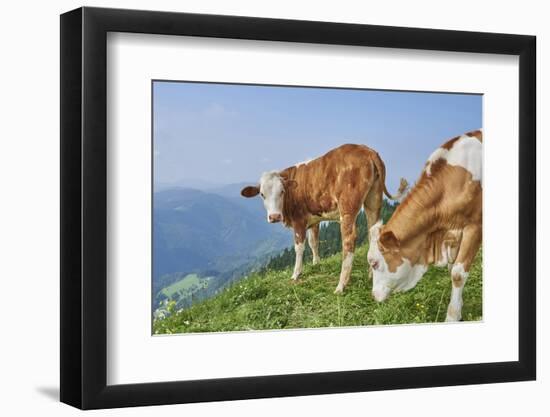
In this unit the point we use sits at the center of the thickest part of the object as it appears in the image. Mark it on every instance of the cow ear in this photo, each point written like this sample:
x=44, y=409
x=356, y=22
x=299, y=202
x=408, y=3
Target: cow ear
x=250, y=191
x=389, y=242
x=290, y=184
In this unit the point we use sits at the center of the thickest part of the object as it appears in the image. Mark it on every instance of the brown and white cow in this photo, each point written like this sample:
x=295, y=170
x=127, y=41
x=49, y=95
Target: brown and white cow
x=439, y=222
x=332, y=187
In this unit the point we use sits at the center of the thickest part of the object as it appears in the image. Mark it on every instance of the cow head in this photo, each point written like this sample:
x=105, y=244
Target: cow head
x=272, y=189
x=391, y=271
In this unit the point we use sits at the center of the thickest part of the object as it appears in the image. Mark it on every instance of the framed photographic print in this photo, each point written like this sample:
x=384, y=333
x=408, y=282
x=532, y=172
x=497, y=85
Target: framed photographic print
x=257, y=207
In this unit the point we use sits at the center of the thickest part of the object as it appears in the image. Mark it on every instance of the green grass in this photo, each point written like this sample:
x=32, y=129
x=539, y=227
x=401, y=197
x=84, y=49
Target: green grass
x=184, y=284
x=271, y=301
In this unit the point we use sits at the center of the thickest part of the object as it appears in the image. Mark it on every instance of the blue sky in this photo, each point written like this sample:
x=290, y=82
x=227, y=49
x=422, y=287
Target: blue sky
x=221, y=134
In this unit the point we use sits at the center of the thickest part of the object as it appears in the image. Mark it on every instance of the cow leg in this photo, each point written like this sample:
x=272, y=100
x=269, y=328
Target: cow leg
x=313, y=241
x=299, y=247
x=471, y=241
x=373, y=206
x=349, y=234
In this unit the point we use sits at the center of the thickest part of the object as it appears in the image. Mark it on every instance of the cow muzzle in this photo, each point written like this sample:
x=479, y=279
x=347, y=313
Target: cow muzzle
x=275, y=218
x=380, y=295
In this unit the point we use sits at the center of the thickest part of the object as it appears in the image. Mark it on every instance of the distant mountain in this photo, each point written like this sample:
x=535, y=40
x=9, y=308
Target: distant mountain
x=195, y=183
x=231, y=190
x=210, y=233
x=233, y=193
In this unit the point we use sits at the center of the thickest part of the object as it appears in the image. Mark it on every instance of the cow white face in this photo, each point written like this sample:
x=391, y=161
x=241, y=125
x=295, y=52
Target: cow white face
x=384, y=250
x=272, y=189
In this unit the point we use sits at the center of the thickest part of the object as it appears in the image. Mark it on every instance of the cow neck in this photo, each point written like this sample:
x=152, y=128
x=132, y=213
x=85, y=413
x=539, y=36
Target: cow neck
x=290, y=208
x=415, y=218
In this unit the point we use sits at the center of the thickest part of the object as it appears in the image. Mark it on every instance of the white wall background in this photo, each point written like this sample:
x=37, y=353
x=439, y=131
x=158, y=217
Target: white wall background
x=29, y=225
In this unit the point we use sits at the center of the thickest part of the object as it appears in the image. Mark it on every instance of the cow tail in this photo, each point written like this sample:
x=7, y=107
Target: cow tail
x=403, y=185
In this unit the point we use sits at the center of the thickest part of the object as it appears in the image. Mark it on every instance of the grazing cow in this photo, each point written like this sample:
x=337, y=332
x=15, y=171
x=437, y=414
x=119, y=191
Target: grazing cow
x=333, y=187
x=439, y=222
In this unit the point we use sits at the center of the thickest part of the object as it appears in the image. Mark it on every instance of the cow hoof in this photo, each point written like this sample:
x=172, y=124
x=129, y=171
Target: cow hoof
x=454, y=313
x=451, y=319
x=339, y=289
x=315, y=261
x=295, y=277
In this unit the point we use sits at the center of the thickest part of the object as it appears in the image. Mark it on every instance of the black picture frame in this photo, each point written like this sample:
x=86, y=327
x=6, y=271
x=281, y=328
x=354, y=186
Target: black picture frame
x=84, y=207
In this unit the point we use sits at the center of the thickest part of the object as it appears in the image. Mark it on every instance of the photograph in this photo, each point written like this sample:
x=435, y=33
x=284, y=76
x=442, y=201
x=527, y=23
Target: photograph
x=298, y=207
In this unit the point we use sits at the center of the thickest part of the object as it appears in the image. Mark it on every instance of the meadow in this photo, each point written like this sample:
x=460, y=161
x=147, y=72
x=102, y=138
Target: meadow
x=268, y=299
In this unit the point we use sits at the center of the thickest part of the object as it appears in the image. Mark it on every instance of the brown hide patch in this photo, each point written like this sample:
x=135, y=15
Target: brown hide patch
x=458, y=281
x=476, y=134
x=393, y=260
x=388, y=242
x=449, y=144
x=446, y=200
x=338, y=180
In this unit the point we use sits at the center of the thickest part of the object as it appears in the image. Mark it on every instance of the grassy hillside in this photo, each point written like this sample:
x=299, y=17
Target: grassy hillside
x=184, y=287
x=269, y=300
